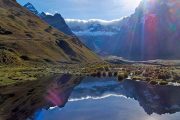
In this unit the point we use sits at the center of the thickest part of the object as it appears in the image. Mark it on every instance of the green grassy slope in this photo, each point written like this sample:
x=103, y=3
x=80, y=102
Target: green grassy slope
x=25, y=37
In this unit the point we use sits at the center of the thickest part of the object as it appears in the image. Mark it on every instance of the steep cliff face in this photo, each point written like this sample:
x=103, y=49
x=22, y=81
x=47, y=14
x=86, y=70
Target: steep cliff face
x=95, y=33
x=152, y=32
x=30, y=7
x=58, y=22
x=26, y=37
x=55, y=20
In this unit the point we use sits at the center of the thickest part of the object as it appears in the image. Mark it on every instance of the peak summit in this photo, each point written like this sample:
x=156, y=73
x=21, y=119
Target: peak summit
x=28, y=4
x=31, y=8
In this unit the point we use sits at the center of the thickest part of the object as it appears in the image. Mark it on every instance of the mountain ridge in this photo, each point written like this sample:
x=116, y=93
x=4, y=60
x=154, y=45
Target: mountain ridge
x=96, y=34
x=31, y=8
x=56, y=20
x=33, y=40
x=151, y=32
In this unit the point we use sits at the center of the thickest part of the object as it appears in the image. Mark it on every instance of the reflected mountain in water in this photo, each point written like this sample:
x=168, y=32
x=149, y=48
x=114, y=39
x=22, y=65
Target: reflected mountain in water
x=154, y=99
x=21, y=101
x=18, y=102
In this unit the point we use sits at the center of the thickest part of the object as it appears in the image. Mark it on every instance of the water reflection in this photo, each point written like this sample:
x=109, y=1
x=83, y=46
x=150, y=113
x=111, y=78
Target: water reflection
x=24, y=100
x=154, y=99
x=18, y=102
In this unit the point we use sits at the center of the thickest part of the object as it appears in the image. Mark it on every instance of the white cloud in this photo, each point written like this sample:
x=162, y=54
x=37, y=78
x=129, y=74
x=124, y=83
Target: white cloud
x=96, y=33
x=47, y=13
x=51, y=12
x=90, y=21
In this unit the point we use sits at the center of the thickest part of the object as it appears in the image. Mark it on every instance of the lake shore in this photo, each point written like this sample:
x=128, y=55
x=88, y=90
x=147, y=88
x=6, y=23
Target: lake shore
x=162, y=74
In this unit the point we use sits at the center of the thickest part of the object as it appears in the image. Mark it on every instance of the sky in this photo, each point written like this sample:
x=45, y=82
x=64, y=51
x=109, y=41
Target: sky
x=86, y=9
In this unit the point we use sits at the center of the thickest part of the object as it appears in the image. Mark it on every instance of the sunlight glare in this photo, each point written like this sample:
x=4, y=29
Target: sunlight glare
x=131, y=3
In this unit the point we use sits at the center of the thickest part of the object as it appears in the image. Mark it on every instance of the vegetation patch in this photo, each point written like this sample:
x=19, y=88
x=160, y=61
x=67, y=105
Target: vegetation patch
x=66, y=48
x=12, y=17
x=48, y=60
x=163, y=83
x=24, y=57
x=7, y=57
x=153, y=82
x=3, y=31
x=49, y=29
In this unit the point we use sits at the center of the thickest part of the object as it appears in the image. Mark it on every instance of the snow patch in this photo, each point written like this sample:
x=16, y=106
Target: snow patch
x=100, y=21
x=96, y=98
x=94, y=33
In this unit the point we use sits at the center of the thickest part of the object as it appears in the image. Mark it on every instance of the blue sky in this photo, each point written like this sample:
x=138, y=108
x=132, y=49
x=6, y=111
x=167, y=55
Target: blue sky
x=86, y=9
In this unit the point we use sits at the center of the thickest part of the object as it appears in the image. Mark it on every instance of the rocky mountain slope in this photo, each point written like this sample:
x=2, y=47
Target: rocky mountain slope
x=55, y=20
x=96, y=34
x=25, y=37
x=152, y=32
x=58, y=22
x=30, y=7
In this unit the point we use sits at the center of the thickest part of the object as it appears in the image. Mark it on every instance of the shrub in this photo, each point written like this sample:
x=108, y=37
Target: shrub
x=120, y=77
x=106, y=68
x=7, y=57
x=115, y=74
x=126, y=75
x=48, y=60
x=4, y=31
x=93, y=74
x=146, y=74
x=100, y=69
x=49, y=29
x=29, y=35
x=163, y=76
x=176, y=77
x=99, y=74
x=163, y=83
x=137, y=78
x=104, y=74
x=24, y=57
x=110, y=74
x=138, y=72
x=148, y=79
x=11, y=16
x=153, y=82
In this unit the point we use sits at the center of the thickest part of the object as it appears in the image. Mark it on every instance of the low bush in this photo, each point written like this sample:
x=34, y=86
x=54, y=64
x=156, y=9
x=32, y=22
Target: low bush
x=163, y=83
x=153, y=82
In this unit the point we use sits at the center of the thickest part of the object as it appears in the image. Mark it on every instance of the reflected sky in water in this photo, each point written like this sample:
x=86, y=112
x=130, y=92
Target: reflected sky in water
x=108, y=99
x=87, y=98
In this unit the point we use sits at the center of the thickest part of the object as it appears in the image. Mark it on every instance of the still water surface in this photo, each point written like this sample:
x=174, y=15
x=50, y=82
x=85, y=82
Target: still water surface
x=107, y=99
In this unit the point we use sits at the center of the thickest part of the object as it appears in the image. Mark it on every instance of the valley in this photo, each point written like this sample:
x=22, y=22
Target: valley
x=53, y=67
x=151, y=32
x=167, y=73
x=27, y=54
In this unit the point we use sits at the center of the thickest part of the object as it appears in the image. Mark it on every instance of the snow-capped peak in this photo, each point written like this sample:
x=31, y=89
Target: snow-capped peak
x=31, y=8
x=91, y=21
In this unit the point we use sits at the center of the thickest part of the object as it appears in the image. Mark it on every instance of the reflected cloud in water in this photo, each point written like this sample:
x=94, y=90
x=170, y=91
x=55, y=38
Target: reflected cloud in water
x=106, y=98
x=67, y=97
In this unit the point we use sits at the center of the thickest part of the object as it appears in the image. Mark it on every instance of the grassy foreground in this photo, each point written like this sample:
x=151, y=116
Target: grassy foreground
x=154, y=74
x=13, y=74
